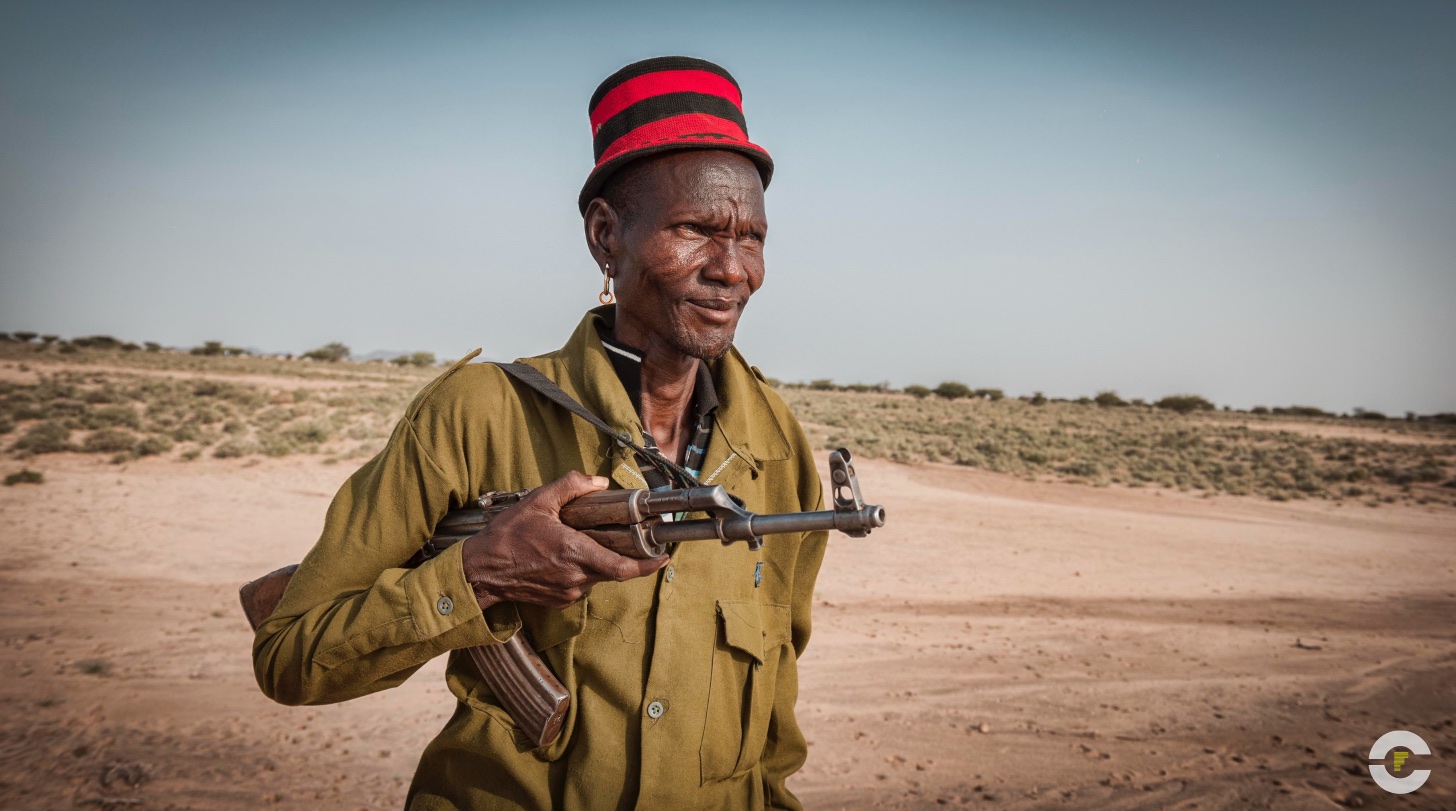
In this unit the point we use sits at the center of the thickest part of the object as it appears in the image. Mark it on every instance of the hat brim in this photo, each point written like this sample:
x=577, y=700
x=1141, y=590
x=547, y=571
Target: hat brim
x=599, y=176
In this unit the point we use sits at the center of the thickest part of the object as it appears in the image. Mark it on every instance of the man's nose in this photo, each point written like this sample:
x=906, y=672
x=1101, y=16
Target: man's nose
x=727, y=266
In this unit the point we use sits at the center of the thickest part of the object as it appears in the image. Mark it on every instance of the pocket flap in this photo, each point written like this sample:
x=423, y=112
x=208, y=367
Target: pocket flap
x=549, y=627
x=741, y=626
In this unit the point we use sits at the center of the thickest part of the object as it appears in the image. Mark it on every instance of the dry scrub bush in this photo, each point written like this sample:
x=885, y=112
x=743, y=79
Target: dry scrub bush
x=355, y=408
x=1212, y=451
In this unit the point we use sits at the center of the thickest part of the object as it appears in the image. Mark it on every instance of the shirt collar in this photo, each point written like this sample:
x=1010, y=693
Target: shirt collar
x=627, y=361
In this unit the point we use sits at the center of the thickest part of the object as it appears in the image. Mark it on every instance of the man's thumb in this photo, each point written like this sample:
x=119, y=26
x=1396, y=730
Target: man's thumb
x=573, y=485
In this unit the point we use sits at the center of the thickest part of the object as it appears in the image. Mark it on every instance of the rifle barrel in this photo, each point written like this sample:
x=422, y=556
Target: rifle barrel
x=735, y=529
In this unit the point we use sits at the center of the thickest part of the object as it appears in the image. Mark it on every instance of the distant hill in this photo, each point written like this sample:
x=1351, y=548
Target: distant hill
x=383, y=354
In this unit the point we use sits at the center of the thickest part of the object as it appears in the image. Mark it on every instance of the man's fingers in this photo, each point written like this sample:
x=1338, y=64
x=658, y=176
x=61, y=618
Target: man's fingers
x=608, y=565
x=555, y=495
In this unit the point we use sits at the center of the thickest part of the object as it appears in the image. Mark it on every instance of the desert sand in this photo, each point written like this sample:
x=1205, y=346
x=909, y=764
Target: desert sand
x=1001, y=644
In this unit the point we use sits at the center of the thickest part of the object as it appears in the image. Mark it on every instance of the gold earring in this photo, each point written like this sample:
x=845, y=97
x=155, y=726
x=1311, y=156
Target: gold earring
x=606, y=296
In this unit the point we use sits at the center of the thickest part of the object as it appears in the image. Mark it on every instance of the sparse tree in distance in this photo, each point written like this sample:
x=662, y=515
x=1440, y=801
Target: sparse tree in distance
x=332, y=353
x=1108, y=399
x=420, y=359
x=918, y=391
x=952, y=390
x=1184, y=403
x=24, y=337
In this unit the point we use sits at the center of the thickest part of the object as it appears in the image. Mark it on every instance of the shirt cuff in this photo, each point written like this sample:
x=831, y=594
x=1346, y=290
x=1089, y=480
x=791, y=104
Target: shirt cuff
x=441, y=599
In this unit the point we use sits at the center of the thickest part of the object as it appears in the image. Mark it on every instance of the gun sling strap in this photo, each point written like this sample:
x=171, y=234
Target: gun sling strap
x=542, y=385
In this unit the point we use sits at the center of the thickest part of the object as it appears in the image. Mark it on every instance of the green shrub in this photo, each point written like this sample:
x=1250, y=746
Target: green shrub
x=1301, y=411
x=110, y=440
x=1259, y=410
x=1184, y=403
x=45, y=437
x=110, y=417
x=989, y=394
x=917, y=391
x=97, y=342
x=332, y=353
x=154, y=445
x=1037, y=398
x=953, y=390
x=1108, y=399
x=308, y=432
x=208, y=348
x=188, y=432
x=824, y=384
x=233, y=449
x=1362, y=414
x=103, y=395
x=26, y=476
x=1085, y=469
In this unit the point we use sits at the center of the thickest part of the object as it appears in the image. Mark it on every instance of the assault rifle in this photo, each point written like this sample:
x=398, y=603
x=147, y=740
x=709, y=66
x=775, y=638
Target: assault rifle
x=628, y=522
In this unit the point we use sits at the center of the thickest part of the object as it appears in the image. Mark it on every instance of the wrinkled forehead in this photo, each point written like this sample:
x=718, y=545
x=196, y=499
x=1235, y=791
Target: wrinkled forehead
x=706, y=180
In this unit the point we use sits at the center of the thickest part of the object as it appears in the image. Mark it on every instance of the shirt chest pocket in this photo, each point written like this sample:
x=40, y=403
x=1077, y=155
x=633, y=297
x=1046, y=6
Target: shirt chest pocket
x=751, y=651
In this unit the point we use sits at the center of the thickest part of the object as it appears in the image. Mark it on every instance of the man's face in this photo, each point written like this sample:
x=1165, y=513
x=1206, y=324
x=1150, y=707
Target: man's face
x=691, y=253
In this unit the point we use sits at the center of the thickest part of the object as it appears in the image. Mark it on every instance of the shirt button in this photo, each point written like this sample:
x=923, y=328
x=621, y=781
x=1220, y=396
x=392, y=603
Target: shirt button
x=445, y=605
x=655, y=710
x=668, y=574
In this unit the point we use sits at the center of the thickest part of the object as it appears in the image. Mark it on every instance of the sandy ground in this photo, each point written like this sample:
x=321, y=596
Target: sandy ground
x=1002, y=644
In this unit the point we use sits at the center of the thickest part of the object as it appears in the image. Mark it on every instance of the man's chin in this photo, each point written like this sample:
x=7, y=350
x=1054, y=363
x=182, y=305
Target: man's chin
x=708, y=347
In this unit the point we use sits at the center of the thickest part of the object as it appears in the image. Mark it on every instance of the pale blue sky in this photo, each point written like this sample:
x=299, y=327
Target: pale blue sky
x=1252, y=201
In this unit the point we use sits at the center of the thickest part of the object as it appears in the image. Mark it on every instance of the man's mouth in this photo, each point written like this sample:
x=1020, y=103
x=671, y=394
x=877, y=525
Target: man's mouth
x=716, y=310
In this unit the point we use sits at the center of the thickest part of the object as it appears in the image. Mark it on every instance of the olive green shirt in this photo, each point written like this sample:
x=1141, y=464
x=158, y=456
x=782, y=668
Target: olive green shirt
x=710, y=643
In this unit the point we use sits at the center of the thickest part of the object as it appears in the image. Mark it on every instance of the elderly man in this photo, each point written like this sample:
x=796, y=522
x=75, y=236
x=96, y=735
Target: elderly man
x=682, y=670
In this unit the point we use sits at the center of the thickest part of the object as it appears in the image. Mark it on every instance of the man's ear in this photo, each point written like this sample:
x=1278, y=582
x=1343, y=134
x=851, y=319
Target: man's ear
x=601, y=223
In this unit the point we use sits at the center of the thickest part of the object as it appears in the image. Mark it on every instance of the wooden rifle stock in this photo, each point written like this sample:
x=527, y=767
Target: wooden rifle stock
x=630, y=523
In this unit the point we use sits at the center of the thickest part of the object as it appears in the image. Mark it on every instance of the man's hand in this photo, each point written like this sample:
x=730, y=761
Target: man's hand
x=527, y=555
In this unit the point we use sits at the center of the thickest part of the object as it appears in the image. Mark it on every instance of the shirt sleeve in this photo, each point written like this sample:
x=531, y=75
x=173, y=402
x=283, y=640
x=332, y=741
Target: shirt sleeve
x=352, y=621
x=786, y=749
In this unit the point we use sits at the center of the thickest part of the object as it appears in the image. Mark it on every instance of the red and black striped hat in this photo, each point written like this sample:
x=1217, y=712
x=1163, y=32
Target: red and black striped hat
x=666, y=103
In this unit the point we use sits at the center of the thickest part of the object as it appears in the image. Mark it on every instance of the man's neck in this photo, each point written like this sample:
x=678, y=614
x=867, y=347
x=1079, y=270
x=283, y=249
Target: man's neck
x=668, y=380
